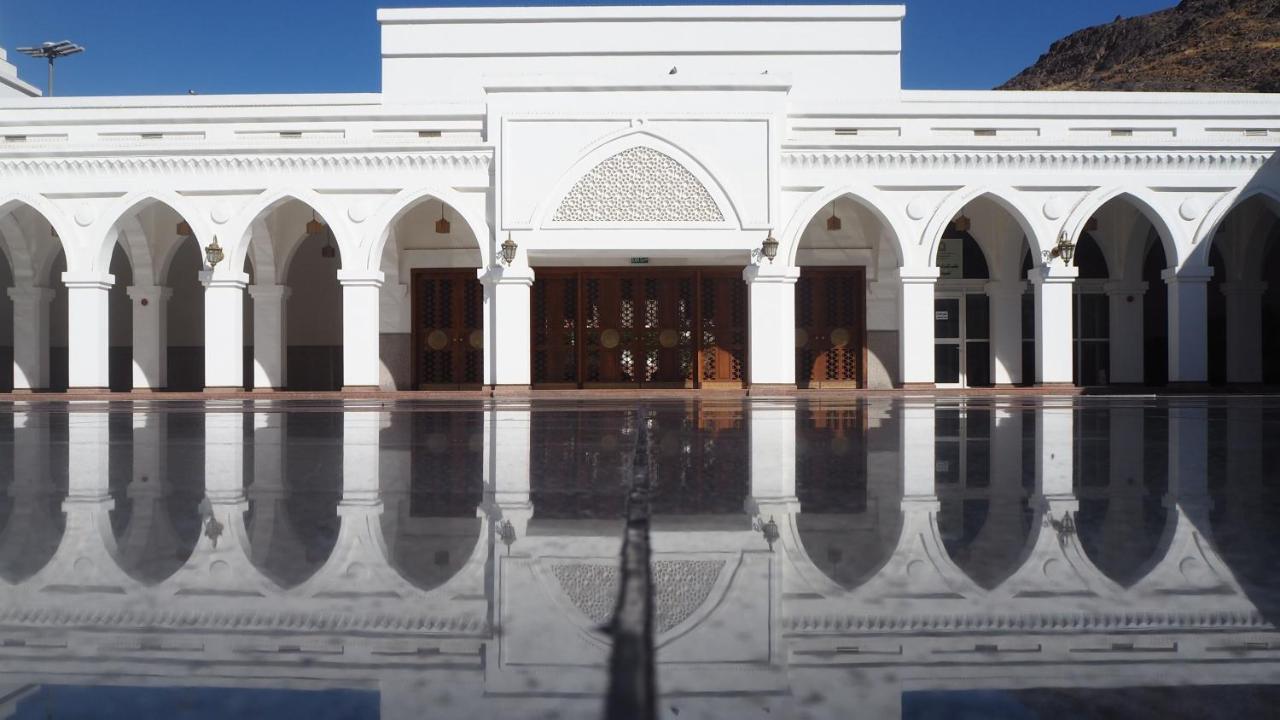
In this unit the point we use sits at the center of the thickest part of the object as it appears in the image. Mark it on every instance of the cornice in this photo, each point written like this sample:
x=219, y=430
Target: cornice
x=265, y=620
x=1025, y=622
x=465, y=159
x=1051, y=160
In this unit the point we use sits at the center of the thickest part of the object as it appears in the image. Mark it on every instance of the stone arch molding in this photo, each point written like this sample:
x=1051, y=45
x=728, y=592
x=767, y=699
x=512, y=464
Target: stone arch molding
x=389, y=213
x=637, y=179
x=1007, y=198
x=1146, y=203
x=1205, y=234
x=867, y=197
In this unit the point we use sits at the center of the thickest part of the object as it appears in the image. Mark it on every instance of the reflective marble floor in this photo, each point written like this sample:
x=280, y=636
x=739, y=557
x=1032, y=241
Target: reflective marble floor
x=974, y=558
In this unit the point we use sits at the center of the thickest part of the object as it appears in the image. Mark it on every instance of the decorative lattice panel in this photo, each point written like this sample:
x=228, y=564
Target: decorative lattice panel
x=639, y=184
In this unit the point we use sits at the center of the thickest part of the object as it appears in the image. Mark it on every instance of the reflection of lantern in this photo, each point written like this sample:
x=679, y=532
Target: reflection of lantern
x=771, y=534
x=507, y=534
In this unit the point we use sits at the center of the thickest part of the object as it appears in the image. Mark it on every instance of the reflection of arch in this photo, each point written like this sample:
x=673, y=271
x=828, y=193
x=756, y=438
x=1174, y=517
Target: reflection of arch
x=1006, y=198
x=865, y=196
x=399, y=205
x=1140, y=198
x=615, y=145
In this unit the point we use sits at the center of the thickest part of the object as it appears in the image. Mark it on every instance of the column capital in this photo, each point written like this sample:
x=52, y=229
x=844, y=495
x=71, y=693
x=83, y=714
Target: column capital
x=236, y=280
x=149, y=292
x=31, y=294
x=919, y=276
x=1201, y=274
x=1051, y=274
x=269, y=292
x=88, y=280
x=361, y=278
x=1121, y=287
x=499, y=274
x=769, y=273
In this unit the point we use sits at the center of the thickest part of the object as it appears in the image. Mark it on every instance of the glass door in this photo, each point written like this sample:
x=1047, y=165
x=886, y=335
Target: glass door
x=947, y=338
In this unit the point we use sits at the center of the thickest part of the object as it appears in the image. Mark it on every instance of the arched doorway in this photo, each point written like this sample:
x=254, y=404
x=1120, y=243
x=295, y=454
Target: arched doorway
x=846, y=334
x=32, y=251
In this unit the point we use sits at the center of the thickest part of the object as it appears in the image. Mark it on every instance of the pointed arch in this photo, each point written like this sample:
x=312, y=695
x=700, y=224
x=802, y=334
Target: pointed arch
x=25, y=257
x=391, y=211
x=1145, y=202
x=1006, y=198
x=866, y=197
x=122, y=223
x=1218, y=214
x=241, y=234
x=613, y=146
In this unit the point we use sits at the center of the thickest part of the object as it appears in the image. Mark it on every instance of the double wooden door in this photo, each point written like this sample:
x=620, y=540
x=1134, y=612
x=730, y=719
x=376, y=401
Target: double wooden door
x=638, y=328
x=831, y=328
x=448, y=332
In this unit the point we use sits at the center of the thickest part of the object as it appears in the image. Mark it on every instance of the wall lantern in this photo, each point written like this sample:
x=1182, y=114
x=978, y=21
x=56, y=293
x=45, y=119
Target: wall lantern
x=1065, y=249
x=833, y=222
x=508, y=250
x=442, y=225
x=770, y=532
x=213, y=253
x=961, y=223
x=184, y=229
x=507, y=534
x=769, y=249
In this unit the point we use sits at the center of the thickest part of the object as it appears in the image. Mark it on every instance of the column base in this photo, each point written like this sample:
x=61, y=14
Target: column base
x=88, y=390
x=361, y=388
x=510, y=390
x=1055, y=386
x=222, y=390
x=1197, y=386
x=771, y=390
x=267, y=390
x=919, y=386
x=29, y=391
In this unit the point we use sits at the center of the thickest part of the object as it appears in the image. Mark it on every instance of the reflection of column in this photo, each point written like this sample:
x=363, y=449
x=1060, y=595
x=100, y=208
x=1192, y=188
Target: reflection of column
x=1054, y=314
x=1122, y=528
x=148, y=546
x=1127, y=364
x=1244, y=331
x=773, y=460
x=916, y=338
x=1188, y=324
x=917, y=420
x=361, y=307
x=771, y=306
x=86, y=555
x=224, y=330
x=270, y=534
x=30, y=337
x=87, y=321
x=150, y=336
x=996, y=541
x=1189, y=462
x=1055, y=459
x=1006, y=331
x=269, y=334
x=506, y=466
x=506, y=325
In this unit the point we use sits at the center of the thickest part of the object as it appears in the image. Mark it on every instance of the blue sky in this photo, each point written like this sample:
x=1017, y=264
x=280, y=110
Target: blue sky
x=264, y=46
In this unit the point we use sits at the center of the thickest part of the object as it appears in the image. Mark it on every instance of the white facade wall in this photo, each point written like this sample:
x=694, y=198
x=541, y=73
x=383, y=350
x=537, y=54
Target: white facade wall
x=726, y=123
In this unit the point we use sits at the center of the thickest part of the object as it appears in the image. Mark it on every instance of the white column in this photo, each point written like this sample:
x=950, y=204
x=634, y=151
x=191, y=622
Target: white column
x=30, y=337
x=1005, y=299
x=361, y=437
x=915, y=337
x=919, y=447
x=1128, y=365
x=270, y=332
x=224, y=330
x=507, y=482
x=361, y=359
x=87, y=330
x=150, y=336
x=1244, y=331
x=1054, y=315
x=771, y=306
x=773, y=460
x=1188, y=324
x=1055, y=447
x=506, y=325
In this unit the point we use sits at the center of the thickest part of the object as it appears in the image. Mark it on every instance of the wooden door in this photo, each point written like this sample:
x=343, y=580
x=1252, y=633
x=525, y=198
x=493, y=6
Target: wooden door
x=555, y=329
x=722, y=314
x=831, y=328
x=638, y=329
x=448, y=335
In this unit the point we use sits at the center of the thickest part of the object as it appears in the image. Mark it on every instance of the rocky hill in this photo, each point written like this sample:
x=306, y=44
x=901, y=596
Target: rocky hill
x=1200, y=45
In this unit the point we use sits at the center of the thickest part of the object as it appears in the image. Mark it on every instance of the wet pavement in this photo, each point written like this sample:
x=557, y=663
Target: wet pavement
x=979, y=557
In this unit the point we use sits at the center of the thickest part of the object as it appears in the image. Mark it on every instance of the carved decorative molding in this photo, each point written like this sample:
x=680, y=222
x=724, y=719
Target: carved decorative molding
x=639, y=184
x=1015, y=160
x=301, y=620
x=680, y=588
x=1012, y=621
x=214, y=164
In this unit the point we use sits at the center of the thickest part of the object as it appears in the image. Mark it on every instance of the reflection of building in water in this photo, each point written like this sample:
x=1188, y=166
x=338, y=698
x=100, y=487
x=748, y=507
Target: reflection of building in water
x=437, y=558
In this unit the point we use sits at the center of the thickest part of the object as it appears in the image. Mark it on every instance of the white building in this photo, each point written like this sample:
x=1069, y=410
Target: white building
x=637, y=158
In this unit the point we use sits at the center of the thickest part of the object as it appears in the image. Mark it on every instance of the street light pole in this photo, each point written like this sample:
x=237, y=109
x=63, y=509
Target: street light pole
x=52, y=51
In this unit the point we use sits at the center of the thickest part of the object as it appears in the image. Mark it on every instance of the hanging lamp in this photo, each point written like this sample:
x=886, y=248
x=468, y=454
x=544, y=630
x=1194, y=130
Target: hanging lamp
x=833, y=222
x=442, y=225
